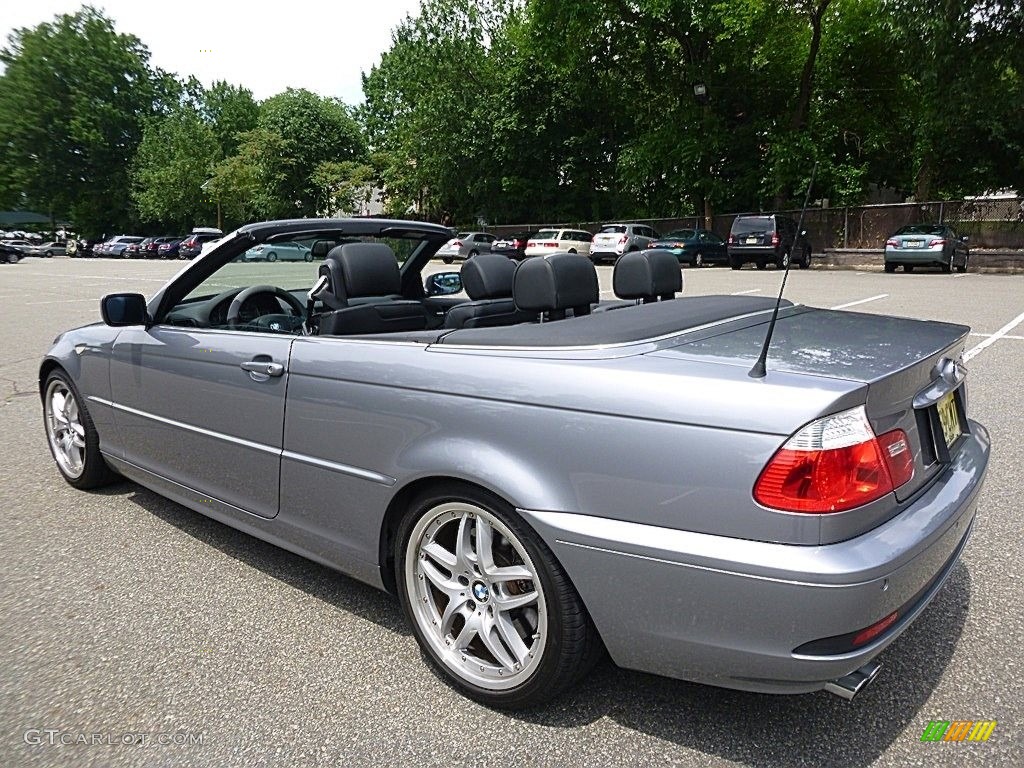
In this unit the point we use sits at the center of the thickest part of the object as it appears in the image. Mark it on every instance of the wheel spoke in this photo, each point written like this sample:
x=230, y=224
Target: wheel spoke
x=484, y=545
x=78, y=441
x=440, y=555
x=510, y=573
x=489, y=636
x=464, y=554
x=444, y=583
x=71, y=409
x=511, y=637
x=511, y=602
x=469, y=630
x=58, y=402
x=451, y=611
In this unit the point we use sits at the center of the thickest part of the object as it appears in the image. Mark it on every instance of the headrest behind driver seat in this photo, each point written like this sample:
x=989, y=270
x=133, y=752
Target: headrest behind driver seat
x=647, y=275
x=555, y=283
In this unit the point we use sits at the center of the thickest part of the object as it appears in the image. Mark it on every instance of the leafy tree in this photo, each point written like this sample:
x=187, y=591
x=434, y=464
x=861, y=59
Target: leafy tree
x=173, y=162
x=230, y=111
x=312, y=130
x=74, y=97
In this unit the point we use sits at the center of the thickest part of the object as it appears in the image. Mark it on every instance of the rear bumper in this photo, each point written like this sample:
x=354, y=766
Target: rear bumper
x=745, y=254
x=731, y=612
x=916, y=256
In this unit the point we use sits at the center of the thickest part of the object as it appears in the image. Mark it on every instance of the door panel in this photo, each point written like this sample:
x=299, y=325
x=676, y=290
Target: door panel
x=187, y=410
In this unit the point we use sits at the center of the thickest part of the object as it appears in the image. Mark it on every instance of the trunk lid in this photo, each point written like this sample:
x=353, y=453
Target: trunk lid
x=910, y=367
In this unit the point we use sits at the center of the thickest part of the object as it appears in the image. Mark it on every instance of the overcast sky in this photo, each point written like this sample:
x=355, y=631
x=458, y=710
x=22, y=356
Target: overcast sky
x=266, y=47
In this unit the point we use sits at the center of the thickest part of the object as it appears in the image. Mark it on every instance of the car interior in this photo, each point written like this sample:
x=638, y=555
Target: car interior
x=361, y=289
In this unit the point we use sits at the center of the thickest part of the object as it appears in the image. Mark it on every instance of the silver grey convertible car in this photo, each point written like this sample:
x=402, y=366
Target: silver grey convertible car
x=542, y=477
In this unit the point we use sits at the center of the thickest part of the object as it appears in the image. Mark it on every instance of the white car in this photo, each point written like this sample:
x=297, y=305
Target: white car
x=616, y=239
x=554, y=240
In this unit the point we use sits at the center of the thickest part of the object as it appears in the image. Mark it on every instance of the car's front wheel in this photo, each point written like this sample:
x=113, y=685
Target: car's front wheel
x=963, y=267
x=489, y=604
x=890, y=266
x=71, y=435
x=308, y=257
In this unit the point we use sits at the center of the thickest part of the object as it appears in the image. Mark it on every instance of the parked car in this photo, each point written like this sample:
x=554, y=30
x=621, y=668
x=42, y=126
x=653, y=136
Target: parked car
x=553, y=240
x=695, y=247
x=622, y=486
x=286, y=251
x=47, y=249
x=513, y=246
x=150, y=247
x=9, y=254
x=767, y=239
x=192, y=245
x=616, y=239
x=926, y=245
x=464, y=245
x=115, y=247
x=169, y=249
x=134, y=250
x=19, y=244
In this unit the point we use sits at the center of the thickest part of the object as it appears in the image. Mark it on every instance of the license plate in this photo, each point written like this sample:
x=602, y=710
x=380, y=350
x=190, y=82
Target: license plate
x=950, y=419
x=915, y=243
x=751, y=241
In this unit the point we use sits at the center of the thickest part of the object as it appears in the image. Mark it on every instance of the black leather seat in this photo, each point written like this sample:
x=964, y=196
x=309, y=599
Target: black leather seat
x=647, y=276
x=555, y=284
x=487, y=279
x=364, y=292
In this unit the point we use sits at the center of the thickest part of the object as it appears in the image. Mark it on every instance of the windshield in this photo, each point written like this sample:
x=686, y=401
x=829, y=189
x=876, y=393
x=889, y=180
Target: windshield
x=922, y=229
x=546, y=234
x=751, y=224
x=613, y=228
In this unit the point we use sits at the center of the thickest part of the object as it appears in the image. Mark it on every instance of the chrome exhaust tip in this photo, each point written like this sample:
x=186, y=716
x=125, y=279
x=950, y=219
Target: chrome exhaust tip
x=849, y=686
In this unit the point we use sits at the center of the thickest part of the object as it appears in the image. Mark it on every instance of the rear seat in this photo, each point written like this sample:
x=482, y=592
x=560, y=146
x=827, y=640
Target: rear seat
x=644, y=277
x=555, y=285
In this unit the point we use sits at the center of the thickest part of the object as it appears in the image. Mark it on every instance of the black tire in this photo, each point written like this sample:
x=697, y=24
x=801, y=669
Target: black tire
x=95, y=471
x=572, y=250
x=963, y=267
x=947, y=268
x=447, y=259
x=472, y=254
x=761, y=264
x=571, y=646
x=271, y=256
x=735, y=263
x=908, y=268
x=308, y=257
x=806, y=263
x=890, y=267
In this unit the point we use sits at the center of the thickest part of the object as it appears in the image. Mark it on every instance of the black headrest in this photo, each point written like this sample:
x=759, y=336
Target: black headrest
x=360, y=269
x=555, y=282
x=488, y=276
x=320, y=249
x=647, y=275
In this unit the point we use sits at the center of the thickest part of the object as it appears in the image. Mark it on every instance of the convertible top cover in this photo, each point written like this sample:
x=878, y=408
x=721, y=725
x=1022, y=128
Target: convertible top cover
x=618, y=326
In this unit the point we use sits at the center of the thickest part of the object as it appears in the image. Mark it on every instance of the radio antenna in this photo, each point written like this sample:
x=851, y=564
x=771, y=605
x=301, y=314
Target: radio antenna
x=759, y=371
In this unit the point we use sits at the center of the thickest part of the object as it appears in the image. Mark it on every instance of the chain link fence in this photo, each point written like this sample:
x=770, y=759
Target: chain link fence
x=995, y=223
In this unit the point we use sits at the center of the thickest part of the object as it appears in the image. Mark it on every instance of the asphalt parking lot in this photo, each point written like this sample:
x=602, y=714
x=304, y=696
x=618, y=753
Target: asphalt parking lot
x=124, y=613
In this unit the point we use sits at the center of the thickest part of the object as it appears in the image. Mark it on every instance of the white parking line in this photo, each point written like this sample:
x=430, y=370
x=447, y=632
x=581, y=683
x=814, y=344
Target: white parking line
x=989, y=335
x=60, y=301
x=1001, y=333
x=740, y=293
x=860, y=301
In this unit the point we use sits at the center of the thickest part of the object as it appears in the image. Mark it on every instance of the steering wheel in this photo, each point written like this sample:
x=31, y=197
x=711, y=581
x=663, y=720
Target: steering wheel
x=239, y=301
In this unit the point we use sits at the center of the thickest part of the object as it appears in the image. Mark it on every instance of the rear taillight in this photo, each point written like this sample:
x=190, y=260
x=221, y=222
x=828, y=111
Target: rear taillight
x=834, y=464
x=866, y=635
x=732, y=238
x=456, y=244
x=893, y=242
x=775, y=238
x=624, y=239
x=549, y=245
x=936, y=242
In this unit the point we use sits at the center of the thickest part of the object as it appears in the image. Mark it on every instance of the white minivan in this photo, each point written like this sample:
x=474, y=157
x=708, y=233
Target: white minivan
x=554, y=240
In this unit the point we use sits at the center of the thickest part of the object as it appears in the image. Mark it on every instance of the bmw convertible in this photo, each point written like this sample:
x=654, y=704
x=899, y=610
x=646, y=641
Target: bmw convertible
x=543, y=477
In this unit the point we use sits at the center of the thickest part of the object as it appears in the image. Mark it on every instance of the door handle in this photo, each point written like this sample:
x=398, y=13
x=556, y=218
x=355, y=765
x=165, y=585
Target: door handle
x=263, y=367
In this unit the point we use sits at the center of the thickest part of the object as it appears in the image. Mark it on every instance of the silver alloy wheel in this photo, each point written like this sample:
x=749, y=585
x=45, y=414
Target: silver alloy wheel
x=476, y=595
x=64, y=429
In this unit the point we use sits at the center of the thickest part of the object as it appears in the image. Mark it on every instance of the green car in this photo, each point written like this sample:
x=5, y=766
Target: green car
x=695, y=247
x=926, y=245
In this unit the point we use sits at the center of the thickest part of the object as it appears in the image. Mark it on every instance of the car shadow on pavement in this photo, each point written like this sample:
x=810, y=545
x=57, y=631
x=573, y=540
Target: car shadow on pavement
x=312, y=578
x=759, y=730
x=816, y=729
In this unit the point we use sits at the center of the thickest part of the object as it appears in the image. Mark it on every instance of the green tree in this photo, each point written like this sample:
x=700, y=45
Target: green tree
x=230, y=111
x=173, y=162
x=313, y=130
x=74, y=97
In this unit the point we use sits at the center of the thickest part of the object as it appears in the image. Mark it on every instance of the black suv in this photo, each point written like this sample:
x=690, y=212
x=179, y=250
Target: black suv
x=767, y=238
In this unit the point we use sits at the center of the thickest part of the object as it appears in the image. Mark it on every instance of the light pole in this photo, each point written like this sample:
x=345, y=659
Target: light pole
x=700, y=95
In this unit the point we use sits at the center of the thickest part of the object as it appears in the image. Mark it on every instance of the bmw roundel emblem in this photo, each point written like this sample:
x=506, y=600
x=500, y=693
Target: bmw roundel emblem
x=480, y=591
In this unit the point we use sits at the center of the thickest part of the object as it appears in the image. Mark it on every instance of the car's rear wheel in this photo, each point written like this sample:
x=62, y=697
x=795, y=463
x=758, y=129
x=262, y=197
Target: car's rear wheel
x=908, y=267
x=489, y=604
x=948, y=266
x=71, y=435
x=735, y=263
x=890, y=266
x=761, y=264
x=271, y=256
x=447, y=259
x=963, y=267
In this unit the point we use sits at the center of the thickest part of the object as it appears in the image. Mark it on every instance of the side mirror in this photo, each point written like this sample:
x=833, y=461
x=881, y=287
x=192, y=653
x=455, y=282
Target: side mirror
x=443, y=284
x=121, y=309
